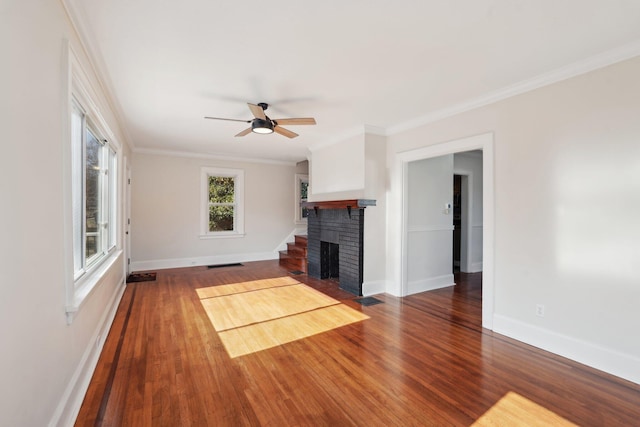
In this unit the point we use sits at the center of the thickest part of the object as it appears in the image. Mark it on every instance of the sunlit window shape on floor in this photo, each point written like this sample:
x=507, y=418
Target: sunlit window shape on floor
x=515, y=410
x=262, y=314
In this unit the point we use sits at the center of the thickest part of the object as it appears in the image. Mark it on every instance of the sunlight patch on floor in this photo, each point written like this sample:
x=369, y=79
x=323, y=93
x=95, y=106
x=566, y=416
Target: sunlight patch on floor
x=515, y=410
x=255, y=316
x=236, y=288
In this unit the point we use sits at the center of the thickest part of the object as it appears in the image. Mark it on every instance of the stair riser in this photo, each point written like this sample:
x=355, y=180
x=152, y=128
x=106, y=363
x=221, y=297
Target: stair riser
x=296, y=250
x=295, y=257
x=294, y=264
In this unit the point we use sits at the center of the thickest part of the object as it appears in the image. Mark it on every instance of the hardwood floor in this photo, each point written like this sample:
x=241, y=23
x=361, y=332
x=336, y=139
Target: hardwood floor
x=419, y=360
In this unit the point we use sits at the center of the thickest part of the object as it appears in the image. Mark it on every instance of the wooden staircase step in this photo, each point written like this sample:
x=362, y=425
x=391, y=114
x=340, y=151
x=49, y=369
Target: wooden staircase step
x=295, y=257
x=295, y=249
x=293, y=263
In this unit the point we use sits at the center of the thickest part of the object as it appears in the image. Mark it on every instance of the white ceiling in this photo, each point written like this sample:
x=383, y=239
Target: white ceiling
x=346, y=63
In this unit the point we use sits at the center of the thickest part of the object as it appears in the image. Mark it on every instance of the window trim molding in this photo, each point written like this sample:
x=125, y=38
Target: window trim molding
x=239, y=204
x=79, y=90
x=299, y=179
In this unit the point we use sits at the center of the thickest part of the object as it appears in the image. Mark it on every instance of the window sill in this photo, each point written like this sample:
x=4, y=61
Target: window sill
x=88, y=283
x=221, y=236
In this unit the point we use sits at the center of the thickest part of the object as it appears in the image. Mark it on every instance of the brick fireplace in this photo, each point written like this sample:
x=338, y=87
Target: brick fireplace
x=335, y=233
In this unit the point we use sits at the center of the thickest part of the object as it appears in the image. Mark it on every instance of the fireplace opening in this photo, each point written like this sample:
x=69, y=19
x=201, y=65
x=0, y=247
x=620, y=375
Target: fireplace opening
x=329, y=260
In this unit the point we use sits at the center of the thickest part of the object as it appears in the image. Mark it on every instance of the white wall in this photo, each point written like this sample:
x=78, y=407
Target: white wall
x=567, y=203
x=469, y=164
x=45, y=363
x=374, y=274
x=166, y=212
x=337, y=171
x=429, y=224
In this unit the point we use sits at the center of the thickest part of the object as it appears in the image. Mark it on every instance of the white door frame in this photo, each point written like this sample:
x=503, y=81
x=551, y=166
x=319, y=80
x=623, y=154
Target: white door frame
x=482, y=142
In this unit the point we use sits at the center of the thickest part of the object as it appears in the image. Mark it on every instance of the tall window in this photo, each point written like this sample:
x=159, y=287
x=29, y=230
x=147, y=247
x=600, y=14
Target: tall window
x=222, y=202
x=302, y=188
x=94, y=174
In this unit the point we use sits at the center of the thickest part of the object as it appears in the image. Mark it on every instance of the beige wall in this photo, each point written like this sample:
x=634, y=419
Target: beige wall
x=166, y=212
x=375, y=154
x=44, y=362
x=429, y=225
x=567, y=203
x=337, y=171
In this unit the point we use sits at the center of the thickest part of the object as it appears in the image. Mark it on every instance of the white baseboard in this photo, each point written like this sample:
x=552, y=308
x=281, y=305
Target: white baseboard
x=374, y=287
x=604, y=359
x=430, y=284
x=476, y=267
x=197, y=261
x=69, y=406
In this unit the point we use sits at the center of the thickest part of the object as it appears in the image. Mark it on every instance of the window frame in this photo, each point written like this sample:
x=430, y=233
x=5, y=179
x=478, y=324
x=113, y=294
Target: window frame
x=238, y=203
x=299, y=179
x=107, y=197
x=82, y=275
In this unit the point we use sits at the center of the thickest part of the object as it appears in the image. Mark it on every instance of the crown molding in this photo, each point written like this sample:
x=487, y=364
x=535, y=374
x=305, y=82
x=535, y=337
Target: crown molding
x=78, y=20
x=592, y=63
x=192, y=155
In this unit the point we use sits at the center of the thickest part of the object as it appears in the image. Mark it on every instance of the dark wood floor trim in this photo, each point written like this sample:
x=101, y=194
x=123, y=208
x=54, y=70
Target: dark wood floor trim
x=116, y=357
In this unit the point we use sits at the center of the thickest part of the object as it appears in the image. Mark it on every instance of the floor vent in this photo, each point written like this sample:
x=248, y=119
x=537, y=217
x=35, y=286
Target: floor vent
x=236, y=264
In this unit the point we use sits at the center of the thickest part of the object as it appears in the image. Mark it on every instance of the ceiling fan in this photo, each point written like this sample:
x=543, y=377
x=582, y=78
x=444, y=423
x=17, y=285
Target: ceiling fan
x=261, y=123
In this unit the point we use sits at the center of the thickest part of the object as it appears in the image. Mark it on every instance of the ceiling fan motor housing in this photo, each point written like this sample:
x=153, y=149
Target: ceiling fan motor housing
x=261, y=126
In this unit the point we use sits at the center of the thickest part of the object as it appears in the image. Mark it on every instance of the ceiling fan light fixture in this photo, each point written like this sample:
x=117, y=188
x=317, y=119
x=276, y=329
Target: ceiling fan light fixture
x=261, y=126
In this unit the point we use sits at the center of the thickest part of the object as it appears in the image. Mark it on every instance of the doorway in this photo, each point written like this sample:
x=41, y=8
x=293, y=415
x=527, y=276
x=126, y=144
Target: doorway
x=457, y=221
x=485, y=243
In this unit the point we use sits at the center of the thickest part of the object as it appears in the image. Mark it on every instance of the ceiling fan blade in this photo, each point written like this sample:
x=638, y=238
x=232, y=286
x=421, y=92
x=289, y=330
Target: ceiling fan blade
x=297, y=121
x=284, y=132
x=257, y=111
x=230, y=120
x=244, y=132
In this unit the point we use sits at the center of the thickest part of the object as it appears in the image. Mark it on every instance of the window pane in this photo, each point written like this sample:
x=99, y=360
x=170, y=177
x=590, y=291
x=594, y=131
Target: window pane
x=304, y=188
x=92, y=244
x=220, y=218
x=221, y=189
x=92, y=195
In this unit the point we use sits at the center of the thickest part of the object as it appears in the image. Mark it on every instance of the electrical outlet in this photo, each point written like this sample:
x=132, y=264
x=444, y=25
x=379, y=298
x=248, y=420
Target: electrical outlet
x=98, y=341
x=540, y=310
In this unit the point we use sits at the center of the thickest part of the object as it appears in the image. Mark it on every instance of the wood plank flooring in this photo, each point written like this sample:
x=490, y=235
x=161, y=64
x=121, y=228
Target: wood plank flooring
x=421, y=360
